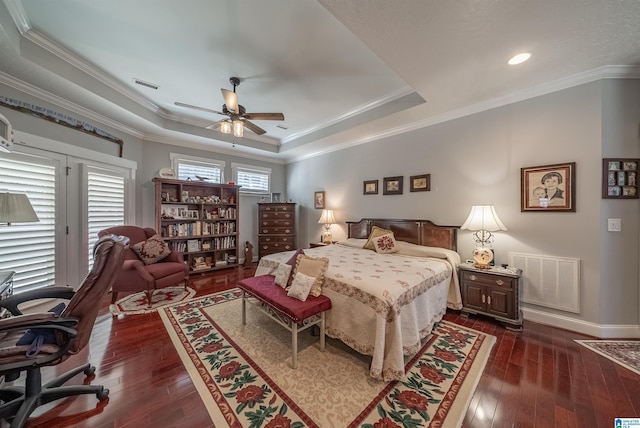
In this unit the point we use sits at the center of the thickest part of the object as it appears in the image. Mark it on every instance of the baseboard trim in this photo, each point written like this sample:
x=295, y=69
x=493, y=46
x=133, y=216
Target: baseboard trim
x=596, y=330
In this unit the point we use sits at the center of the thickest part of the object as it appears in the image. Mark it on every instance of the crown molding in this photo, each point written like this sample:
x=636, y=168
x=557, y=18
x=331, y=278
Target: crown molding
x=18, y=14
x=80, y=64
x=606, y=72
x=211, y=147
x=45, y=96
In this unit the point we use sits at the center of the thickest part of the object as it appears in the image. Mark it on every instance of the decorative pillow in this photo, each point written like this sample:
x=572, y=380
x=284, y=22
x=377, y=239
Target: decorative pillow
x=282, y=275
x=152, y=250
x=375, y=232
x=301, y=286
x=292, y=262
x=263, y=269
x=313, y=267
x=386, y=244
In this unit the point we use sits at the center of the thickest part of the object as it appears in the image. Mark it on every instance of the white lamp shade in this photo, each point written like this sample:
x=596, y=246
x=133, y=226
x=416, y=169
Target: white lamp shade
x=327, y=217
x=16, y=208
x=238, y=128
x=483, y=217
x=225, y=127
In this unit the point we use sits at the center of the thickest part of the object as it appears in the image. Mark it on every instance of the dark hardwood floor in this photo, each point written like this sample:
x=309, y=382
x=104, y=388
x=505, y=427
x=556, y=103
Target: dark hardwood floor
x=535, y=378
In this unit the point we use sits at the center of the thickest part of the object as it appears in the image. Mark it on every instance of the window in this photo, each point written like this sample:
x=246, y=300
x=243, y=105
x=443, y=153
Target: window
x=30, y=248
x=196, y=168
x=105, y=207
x=253, y=179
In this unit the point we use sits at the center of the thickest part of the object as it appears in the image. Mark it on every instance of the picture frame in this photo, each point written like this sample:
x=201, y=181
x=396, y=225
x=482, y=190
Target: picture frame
x=193, y=245
x=392, y=185
x=172, y=212
x=370, y=187
x=420, y=183
x=318, y=200
x=620, y=178
x=548, y=188
x=276, y=197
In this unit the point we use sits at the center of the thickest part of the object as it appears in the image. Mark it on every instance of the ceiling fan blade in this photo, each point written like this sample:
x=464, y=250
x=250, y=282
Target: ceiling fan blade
x=253, y=127
x=198, y=108
x=264, y=116
x=231, y=100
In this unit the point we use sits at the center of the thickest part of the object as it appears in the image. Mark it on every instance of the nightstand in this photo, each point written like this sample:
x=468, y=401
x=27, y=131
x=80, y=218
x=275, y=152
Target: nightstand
x=317, y=244
x=493, y=292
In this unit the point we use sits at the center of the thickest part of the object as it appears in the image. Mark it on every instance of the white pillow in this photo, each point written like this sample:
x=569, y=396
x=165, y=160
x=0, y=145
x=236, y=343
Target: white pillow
x=408, y=249
x=282, y=274
x=353, y=242
x=265, y=270
x=301, y=286
x=385, y=244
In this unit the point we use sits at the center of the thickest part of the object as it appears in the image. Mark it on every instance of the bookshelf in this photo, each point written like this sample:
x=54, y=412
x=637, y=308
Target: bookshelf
x=199, y=219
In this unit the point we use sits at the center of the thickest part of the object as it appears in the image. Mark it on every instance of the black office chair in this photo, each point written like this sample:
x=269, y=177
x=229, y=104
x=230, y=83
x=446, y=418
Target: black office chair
x=30, y=341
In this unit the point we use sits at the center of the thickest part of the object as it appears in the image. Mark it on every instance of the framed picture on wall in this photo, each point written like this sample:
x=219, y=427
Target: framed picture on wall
x=318, y=200
x=392, y=185
x=420, y=183
x=548, y=188
x=370, y=187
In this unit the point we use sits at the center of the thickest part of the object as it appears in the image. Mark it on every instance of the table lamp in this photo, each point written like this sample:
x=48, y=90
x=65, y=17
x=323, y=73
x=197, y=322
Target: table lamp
x=327, y=219
x=483, y=220
x=16, y=208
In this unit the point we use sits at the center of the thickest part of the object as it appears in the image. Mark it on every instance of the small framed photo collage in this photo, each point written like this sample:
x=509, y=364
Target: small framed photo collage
x=620, y=178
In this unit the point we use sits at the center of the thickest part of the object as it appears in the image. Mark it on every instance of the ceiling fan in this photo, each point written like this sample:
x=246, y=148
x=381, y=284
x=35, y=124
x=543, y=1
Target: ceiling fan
x=238, y=116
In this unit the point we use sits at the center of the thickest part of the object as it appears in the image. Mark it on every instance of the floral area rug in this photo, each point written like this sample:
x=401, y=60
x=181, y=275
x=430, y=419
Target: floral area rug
x=244, y=374
x=623, y=352
x=137, y=303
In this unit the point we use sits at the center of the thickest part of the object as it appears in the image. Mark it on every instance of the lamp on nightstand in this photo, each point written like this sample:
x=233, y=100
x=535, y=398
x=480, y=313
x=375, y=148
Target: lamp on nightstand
x=327, y=219
x=482, y=221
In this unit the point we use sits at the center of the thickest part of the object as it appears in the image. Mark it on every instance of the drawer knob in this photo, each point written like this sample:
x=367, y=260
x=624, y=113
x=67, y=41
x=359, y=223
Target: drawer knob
x=472, y=277
x=499, y=282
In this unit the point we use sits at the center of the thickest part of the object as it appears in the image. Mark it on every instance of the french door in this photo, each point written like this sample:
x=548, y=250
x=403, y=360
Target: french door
x=74, y=197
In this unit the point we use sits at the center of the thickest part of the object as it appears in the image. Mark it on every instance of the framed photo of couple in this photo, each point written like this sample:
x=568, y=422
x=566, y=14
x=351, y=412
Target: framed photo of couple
x=548, y=188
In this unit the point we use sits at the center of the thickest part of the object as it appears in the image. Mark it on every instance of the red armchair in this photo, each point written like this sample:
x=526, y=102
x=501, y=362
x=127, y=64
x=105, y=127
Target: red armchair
x=136, y=275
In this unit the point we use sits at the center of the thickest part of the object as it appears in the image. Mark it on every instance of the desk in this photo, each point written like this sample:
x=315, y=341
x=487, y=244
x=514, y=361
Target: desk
x=6, y=288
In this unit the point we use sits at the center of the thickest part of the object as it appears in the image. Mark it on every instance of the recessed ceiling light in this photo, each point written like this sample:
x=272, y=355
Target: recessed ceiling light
x=520, y=58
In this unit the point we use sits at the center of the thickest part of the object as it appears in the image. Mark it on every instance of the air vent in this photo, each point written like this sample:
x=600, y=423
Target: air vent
x=282, y=127
x=147, y=84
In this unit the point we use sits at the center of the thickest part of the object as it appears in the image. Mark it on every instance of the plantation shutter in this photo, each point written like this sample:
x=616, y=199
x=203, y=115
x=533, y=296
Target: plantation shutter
x=105, y=206
x=252, y=180
x=29, y=249
x=196, y=169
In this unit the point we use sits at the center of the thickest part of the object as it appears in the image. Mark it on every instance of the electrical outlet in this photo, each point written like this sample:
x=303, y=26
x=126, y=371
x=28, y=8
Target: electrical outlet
x=614, y=225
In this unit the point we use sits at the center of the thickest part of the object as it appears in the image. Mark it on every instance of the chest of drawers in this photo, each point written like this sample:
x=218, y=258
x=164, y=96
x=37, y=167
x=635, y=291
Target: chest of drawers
x=276, y=227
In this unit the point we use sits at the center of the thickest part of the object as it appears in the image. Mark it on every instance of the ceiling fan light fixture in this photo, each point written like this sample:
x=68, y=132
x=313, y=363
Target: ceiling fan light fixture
x=225, y=127
x=238, y=128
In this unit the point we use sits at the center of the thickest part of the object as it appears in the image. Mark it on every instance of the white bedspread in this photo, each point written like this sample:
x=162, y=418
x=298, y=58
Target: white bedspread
x=383, y=304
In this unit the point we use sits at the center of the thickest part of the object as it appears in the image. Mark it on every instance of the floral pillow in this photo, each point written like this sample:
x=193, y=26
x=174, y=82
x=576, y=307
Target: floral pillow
x=301, y=286
x=292, y=262
x=313, y=267
x=283, y=272
x=375, y=232
x=152, y=250
x=386, y=244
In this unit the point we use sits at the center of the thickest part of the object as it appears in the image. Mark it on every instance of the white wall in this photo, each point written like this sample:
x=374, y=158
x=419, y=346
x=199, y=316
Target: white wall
x=477, y=160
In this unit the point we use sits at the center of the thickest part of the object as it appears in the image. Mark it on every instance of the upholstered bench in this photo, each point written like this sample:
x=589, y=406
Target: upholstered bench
x=291, y=313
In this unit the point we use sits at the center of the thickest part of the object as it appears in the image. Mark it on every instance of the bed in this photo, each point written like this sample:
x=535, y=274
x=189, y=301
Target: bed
x=383, y=305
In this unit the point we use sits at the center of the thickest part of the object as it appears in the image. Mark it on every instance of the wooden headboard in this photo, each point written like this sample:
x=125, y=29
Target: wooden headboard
x=420, y=232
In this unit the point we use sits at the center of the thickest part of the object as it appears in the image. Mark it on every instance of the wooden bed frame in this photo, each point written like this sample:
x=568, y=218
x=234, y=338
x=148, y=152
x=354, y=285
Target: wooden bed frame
x=420, y=232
